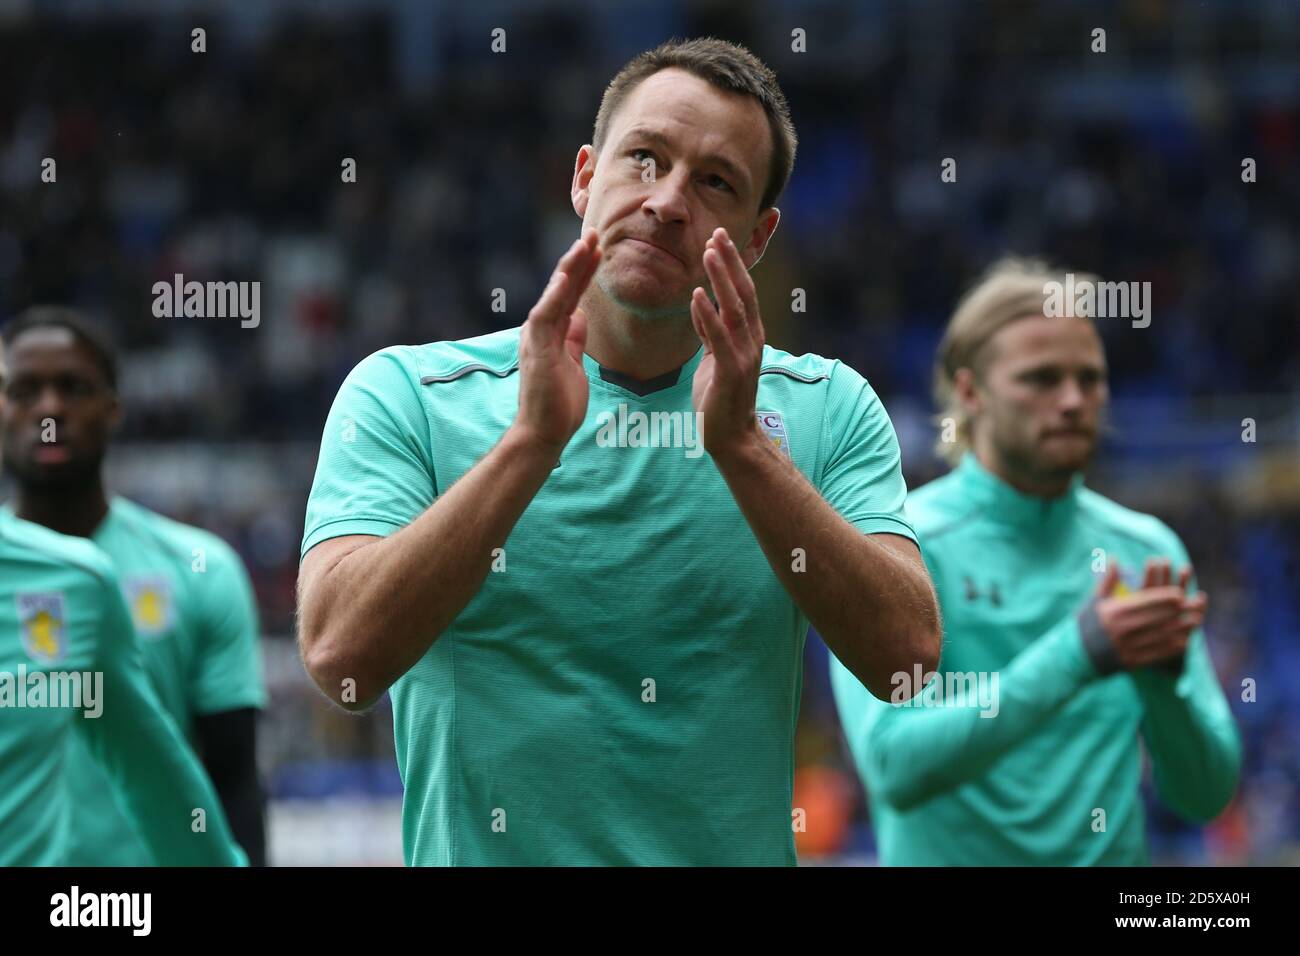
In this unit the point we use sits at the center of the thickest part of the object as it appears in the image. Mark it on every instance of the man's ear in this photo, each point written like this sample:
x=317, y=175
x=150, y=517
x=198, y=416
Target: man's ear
x=760, y=236
x=966, y=388
x=583, y=169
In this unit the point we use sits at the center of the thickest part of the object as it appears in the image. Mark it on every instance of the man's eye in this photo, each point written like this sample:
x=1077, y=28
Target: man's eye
x=718, y=182
x=636, y=154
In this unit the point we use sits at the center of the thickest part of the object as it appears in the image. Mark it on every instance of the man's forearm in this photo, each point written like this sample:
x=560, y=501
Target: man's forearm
x=228, y=745
x=381, y=606
x=244, y=803
x=1194, y=742
x=876, y=611
x=909, y=755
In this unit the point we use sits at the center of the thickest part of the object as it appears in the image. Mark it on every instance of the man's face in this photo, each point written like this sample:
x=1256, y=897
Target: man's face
x=711, y=152
x=1039, y=401
x=58, y=410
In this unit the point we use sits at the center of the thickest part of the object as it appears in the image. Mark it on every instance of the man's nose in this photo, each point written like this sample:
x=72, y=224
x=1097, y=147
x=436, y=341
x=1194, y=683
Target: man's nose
x=49, y=403
x=667, y=198
x=1071, y=396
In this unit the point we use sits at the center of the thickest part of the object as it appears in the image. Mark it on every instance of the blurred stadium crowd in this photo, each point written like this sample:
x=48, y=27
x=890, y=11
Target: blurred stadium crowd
x=226, y=165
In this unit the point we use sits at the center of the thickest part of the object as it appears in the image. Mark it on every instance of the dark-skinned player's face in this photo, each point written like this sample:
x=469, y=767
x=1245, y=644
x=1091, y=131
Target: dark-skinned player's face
x=681, y=158
x=58, y=410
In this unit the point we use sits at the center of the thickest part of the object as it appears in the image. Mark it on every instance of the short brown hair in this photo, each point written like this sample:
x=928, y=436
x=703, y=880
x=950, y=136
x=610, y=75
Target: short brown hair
x=727, y=66
x=1011, y=288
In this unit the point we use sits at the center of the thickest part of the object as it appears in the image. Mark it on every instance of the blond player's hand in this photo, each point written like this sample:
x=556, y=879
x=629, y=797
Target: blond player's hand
x=553, y=388
x=1154, y=624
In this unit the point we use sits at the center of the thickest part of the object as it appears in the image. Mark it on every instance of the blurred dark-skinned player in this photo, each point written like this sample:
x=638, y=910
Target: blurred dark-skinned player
x=189, y=596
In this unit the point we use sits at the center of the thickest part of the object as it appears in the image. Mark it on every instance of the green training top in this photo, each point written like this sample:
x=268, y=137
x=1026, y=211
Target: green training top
x=69, y=665
x=624, y=687
x=196, y=623
x=1041, y=768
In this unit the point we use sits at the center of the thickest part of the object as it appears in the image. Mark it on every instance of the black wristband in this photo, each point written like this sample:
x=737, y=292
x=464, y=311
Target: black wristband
x=1095, y=642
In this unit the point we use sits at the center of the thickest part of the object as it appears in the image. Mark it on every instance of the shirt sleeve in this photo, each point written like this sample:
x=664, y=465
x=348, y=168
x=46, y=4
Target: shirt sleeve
x=863, y=477
x=227, y=672
x=1188, y=728
x=374, y=474
x=158, y=780
x=907, y=755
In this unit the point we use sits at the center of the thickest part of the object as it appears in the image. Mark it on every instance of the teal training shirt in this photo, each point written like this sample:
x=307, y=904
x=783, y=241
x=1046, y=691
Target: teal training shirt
x=69, y=665
x=196, y=624
x=1051, y=775
x=624, y=688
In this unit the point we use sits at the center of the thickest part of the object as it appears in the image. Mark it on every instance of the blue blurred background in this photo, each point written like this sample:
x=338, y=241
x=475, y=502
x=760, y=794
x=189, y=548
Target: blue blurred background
x=226, y=165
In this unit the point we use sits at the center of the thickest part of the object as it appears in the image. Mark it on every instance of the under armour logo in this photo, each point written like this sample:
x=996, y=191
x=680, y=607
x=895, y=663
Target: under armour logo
x=973, y=593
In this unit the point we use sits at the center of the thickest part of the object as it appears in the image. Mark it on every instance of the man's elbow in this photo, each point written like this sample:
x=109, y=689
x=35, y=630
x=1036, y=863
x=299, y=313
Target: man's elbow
x=927, y=643
x=1207, y=803
x=895, y=778
x=339, y=672
x=915, y=655
x=1203, y=809
x=899, y=674
x=901, y=792
x=915, y=658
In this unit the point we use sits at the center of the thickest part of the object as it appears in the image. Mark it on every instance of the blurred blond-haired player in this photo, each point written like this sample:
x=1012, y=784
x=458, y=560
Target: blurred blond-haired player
x=1069, y=629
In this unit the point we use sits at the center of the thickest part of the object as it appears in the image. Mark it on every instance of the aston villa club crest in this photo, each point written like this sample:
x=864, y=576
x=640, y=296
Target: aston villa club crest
x=774, y=428
x=151, y=604
x=1126, y=583
x=42, y=619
